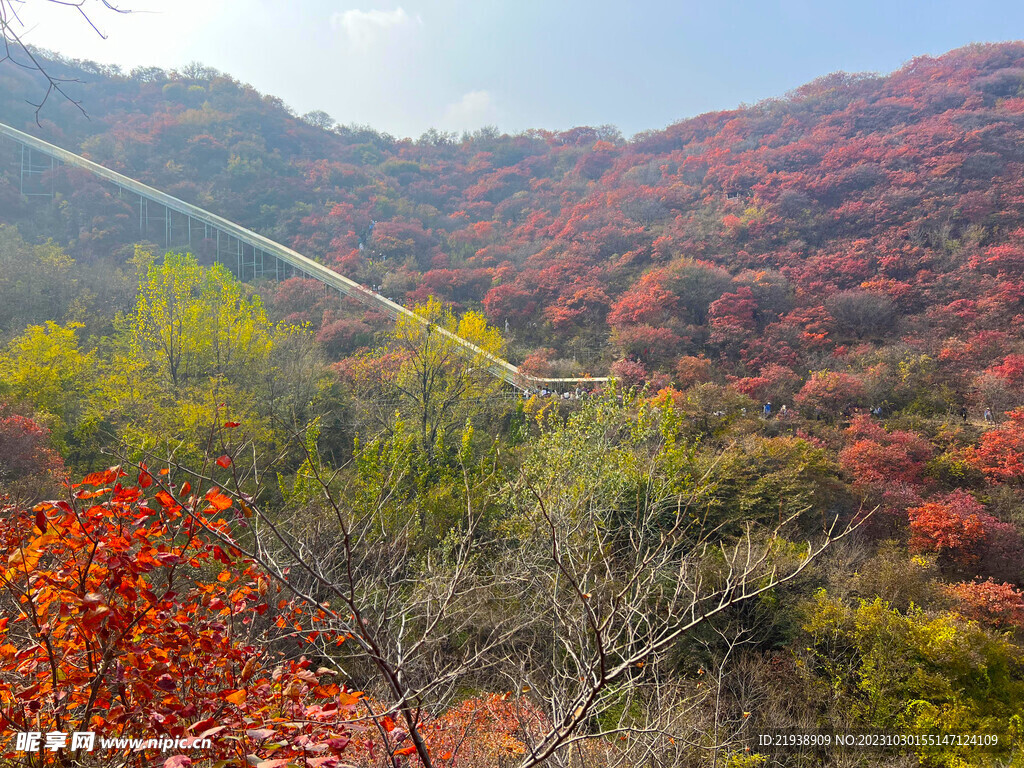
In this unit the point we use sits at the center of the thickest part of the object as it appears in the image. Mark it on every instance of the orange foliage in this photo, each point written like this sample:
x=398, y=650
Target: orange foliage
x=483, y=732
x=995, y=604
x=952, y=525
x=114, y=626
x=1000, y=454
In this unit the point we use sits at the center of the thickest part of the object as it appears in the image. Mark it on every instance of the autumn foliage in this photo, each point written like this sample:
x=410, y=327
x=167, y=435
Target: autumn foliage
x=954, y=525
x=1000, y=454
x=125, y=617
x=998, y=604
x=852, y=251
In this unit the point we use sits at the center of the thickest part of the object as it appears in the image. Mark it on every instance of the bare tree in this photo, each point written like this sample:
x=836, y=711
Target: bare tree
x=18, y=52
x=618, y=593
x=576, y=603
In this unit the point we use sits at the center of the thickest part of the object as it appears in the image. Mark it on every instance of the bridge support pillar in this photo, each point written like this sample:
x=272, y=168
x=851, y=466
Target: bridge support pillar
x=30, y=168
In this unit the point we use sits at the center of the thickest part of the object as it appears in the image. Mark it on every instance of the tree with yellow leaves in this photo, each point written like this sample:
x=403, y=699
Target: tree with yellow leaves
x=196, y=322
x=437, y=375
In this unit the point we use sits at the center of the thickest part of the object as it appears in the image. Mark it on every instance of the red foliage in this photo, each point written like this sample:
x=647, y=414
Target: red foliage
x=953, y=525
x=957, y=527
x=1002, y=259
x=1000, y=454
x=837, y=189
x=629, y=372
x=1011, y=368
x=509, y=302
x=27, y=454
x=775, y=383
x=646, y=303
x=692, y=370
x=484, y=731
x=647, y=342
x=734, y=309
x=300, y=300
x=343, y=335
x=998, y=605
x=539, y=363
x=830, y=392
x=114, y=624
x=582, y=303
x=878, y=458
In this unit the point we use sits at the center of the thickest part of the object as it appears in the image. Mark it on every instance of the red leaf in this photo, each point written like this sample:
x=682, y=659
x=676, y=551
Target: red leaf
x=178, y=761
x=165, y=499
x=28, y=693
x=41, y=521
x=201, y=724
x=406, y=750
x=224, y=461
x=91, y=494
x=338, y=742
x=231, y=424
x=146, y=480
x=166, y=683
x=97, y=479
x=218, y=500
x=236, y=697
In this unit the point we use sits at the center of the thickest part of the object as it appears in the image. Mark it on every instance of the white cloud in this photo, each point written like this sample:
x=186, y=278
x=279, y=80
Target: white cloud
x=365, y=29
x=474, y=110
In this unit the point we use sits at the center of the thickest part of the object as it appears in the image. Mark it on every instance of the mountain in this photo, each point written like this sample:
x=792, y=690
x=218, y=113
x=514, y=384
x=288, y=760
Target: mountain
x=856, y=213
x=818, y=299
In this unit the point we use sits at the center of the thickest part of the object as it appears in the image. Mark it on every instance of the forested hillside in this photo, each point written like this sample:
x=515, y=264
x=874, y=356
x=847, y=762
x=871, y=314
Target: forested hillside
x=858, y=209
x=813, y=309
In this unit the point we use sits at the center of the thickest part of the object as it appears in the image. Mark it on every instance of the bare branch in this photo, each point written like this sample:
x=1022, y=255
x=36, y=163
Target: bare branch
x=18, y=52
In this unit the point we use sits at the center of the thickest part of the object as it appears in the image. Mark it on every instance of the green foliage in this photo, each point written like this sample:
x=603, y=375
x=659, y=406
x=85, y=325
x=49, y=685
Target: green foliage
x=305, y=486
x=770, y=480
x=914, y=671
x=45, y=367
x=195, y=351
x=37, y=283
x=382, y=473
x=437, y=380
x=594, y=453
x=953, y=470
x=194, y=323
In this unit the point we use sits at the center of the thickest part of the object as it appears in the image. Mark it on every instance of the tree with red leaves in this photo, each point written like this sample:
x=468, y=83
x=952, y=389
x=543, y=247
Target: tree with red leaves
x=29, y=466
x=647, y=302
x=999, y=605
x=775, y=384
x=113, y=623
x=829, y=393
x=629, y=372
x=1000, y=453
x=876, y=456
x=1011, y=368
x=952, y=525
x=1004, y=258
x=964, y=534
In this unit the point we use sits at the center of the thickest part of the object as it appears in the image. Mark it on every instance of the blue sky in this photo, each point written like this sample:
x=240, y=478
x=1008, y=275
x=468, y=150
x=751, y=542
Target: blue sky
x=409, y=65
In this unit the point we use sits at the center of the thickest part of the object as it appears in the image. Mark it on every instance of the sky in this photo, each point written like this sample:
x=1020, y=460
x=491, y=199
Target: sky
x=405, y=66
